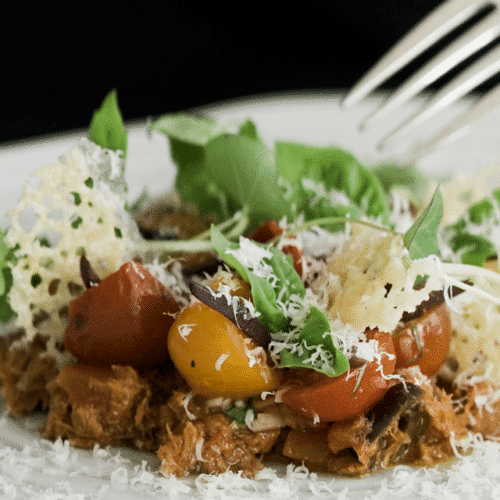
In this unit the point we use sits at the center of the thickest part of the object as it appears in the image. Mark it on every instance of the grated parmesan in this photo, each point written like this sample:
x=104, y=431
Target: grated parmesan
x=104, y=474
x=220, y=360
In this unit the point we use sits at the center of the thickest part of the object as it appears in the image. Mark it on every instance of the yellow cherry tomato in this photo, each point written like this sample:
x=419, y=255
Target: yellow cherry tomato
x=216, y=358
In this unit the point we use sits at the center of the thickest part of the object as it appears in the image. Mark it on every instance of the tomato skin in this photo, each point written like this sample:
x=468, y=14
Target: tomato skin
x=332, y=399
x=434, y=336
x=269, y=230
x=197, y=340
x=124, y=319
x=266, y=231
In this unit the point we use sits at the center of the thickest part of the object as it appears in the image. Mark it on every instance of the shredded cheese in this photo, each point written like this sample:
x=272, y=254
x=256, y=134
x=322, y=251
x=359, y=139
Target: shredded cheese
x=185, y=329
x=199, y=450
x=185, y=403
x=220, y=361
x=42, y=469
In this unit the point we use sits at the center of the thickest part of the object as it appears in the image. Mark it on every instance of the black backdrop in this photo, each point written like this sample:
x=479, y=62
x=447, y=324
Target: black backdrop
x=59, y=59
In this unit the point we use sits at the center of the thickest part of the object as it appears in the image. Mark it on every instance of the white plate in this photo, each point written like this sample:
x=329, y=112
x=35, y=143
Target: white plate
x=31, y=468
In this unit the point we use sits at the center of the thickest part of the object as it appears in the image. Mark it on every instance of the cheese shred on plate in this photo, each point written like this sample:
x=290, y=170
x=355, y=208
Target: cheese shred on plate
x=474, y=475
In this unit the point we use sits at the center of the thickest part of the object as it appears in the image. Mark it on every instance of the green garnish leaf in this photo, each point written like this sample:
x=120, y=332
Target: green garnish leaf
x=77, y=198
x=106, y=127
x=421, y=238
x=245, y=171
x=7, y=257
x=328, y=181
x=264, y=294
x=223, y=168
x=188, y=135
x=314, y=341
x=36, y=280
x=283, y=287
x=76, y=223
x=473, y=235
x=239, y=413
x=409, y=177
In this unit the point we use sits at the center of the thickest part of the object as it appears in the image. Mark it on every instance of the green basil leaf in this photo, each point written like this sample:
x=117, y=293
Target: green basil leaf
x=188, y=135
x=244, y=169
x=288, y=279
x=195, y=185
x=409, y=177
x=106, y=127
x=196, y=130
x=264, y=295
x=421, y=238
x=471, y=236
x=286, y=285
x=336, y=171
x=314, y=334
x=223, y=168
x=239, y=413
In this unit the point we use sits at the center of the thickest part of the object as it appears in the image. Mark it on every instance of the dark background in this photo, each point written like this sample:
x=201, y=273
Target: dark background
x=59, y=59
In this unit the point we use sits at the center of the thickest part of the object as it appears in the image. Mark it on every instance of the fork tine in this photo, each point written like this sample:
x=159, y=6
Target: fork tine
x=469, y=43
x=476, y=74
x=460, y=126
x=438, y=23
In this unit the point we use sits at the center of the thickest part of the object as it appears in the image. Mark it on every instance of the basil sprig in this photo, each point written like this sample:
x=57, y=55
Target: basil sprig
x=473, y=236
x=106, y=128
x=271, y=299
x=421, y=238
x=225, y=168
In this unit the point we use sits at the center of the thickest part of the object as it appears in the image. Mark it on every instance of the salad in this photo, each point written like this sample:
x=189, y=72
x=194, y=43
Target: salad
x=288, y=304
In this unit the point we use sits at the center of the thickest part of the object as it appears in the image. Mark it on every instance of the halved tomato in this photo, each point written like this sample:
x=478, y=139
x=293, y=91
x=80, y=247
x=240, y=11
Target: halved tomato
x=315, y=395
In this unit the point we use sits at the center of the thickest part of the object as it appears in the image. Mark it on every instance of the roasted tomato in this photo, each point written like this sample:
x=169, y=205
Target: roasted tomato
x=266, y=232
x=124, y=319
x=315, y=395
x=425, y=340
x=216, y=358
x=269, y=230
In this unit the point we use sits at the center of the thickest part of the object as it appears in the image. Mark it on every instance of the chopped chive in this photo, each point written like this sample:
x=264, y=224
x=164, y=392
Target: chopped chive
x=76, y=222
x=36, y=279
x=78, y=198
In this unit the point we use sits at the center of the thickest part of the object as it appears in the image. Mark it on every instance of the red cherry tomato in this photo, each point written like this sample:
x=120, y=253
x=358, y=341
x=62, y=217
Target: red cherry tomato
x=424, y=341
x=351, y=394
x=269, y=230
x=124, y=319
x=296, y=256
x=266, y=231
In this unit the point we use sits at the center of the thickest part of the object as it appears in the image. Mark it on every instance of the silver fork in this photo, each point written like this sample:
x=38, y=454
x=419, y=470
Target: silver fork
x=439, y=22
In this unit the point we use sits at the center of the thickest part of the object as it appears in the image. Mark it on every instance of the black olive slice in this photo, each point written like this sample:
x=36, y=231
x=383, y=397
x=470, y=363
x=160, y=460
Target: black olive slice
x=253, y=327
x=398, y=399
